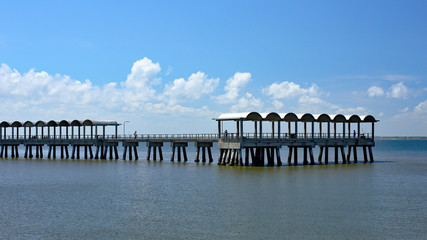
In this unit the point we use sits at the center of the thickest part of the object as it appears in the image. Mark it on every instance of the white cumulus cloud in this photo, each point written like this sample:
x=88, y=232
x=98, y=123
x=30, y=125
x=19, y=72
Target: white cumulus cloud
x=247, y=103
x=422, y=107
x=141, y=79
x=375, y=91
x=277, y=105
x=198, y=84
x=233, y=87
x=289, y=90
x=398, y=90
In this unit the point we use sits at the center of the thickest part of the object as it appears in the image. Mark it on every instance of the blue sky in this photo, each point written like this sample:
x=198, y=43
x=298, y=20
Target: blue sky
x=171, y=66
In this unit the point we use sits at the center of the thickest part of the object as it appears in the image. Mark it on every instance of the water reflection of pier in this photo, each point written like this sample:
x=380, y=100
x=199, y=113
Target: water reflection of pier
x=256, y=143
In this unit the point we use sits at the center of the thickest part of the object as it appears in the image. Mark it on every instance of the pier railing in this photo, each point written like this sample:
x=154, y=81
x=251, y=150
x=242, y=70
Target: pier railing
x=199, y=136
x=293, y=135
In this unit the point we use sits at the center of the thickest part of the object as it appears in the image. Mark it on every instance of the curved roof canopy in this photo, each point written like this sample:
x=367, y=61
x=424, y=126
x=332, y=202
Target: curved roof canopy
x=292, y=117
x=63, y=123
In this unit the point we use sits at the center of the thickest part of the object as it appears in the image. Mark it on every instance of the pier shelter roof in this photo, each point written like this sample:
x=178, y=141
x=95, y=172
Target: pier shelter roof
x=17, y=124
x=292, y=117
x=52, y=123
x=5, y=124
x=273, y=117
x=308, y=117
x=40, y=124
x=338, y=118
x=354, y=118
x=28, y=124
x=63, y=123
x=247, y=116
x=369, y=118
x=324, y=118
x=89, y=122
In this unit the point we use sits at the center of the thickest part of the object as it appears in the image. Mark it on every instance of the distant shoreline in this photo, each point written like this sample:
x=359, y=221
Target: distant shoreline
x=400, y=138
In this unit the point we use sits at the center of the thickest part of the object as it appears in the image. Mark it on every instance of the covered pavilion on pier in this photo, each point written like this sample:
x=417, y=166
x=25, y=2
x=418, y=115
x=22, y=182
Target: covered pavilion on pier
x=52, y=127
x=302, y=131
x=293, y=121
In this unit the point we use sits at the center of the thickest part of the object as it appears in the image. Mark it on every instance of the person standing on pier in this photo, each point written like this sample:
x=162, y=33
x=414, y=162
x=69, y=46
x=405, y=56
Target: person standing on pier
x=226, y=133
x=354, y=133
x=135, y=134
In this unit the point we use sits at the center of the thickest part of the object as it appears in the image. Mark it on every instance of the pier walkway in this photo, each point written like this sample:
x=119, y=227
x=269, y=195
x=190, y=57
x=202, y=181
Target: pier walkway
x=246, y=139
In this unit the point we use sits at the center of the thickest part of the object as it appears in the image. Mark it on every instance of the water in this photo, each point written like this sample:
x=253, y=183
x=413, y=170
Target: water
x=94, y=199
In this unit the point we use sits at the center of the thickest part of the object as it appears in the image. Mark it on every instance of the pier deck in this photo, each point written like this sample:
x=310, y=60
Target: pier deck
x=254, y=145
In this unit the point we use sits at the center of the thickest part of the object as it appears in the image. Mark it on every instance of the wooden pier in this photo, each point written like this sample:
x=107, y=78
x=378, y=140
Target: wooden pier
x=237, y=147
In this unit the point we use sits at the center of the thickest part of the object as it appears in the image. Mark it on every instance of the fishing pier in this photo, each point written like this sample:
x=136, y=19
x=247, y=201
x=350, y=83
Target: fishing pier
x=242, y=139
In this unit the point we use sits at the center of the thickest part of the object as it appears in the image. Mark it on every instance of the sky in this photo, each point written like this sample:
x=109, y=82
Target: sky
x=172, y=66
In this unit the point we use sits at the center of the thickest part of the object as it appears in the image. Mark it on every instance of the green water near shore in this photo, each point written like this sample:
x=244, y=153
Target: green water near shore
x=78, y=199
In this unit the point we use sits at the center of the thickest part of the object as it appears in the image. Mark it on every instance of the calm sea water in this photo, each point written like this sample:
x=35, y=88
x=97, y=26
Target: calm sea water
x=94, y=199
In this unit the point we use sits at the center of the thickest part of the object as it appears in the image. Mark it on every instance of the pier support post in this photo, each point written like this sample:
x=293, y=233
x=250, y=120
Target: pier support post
x=128, y=148
x=173, y=155
x=136, y=153
x=154, y=145
x=343, y=155
x=125, y=148
x=269, y=157
x=91, y=153
x=210, y=155
x=305, y=161
x=26, y=151
x=371, y=156
x=349, y=154
x=97, y=152
x=62, y=151
x=279, y=160
x=148, y=153
x=290, y=155
x=336, y=155
x=221, y=152
x=130, y=153
x=86, y=153
x=355, y=154
x=54, y=151
x=320, y=155
x=49, y=154
x=311, y=156
x=115, y=152
x=78, y=151
x=197, y=155
x=203, y=146
x=204, y=154
x=296, y=156
x=365, y=155
x=240, y=160
x=326, y=155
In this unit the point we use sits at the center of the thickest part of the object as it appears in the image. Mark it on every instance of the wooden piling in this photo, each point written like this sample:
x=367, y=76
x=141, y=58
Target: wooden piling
x=326, y=155
x=320, y=155
x=365, y=155
x=311, y=156
x=371, y=156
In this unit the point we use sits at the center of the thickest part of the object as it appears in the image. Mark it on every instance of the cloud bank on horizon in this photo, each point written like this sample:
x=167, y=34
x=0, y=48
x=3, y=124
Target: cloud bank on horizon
x=37, y=95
